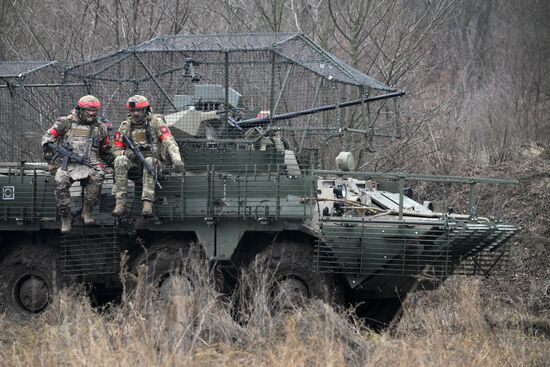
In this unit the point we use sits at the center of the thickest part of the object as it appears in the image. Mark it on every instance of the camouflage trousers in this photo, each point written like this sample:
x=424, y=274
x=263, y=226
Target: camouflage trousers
x=120, y=188
x=91, y=186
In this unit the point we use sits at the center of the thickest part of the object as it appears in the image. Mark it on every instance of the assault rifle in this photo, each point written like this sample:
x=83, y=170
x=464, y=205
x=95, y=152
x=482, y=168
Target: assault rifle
x=128, y=142
x=66, y=152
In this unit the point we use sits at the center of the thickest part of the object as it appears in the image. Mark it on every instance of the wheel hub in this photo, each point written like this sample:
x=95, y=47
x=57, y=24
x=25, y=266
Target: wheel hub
x=291, y=292
x=170, y=283
x=32, y=293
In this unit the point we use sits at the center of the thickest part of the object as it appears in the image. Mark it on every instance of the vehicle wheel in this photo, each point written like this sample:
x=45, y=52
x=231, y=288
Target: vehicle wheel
x=380, y=313
x=28, y=279
x=293, y=275
x=161, y=262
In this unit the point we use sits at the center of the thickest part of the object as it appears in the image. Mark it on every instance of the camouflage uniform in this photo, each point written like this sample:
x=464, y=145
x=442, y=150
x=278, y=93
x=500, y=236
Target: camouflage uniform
x=156, y=143
x=86, y=138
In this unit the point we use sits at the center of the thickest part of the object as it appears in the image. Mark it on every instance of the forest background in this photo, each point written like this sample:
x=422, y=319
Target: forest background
x=476, y=73
x=477, y=77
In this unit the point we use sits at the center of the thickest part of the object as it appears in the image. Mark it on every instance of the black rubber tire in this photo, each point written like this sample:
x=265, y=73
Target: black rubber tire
x=295, y=261
x=380, y=313
x=28, y=265
x=163, y=260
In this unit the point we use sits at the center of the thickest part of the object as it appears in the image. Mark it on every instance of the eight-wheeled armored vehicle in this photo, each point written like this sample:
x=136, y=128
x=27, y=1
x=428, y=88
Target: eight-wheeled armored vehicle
x=260, y=120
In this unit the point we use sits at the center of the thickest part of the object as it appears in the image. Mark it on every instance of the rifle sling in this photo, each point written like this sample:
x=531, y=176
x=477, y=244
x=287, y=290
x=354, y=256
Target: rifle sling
x=148, y=136
x=90, y=142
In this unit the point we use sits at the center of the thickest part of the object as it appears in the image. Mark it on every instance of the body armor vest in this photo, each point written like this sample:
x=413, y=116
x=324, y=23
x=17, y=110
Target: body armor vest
x=143, y=137
x=84, y=140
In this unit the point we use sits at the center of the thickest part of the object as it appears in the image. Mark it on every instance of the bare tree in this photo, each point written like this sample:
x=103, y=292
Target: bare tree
x=476, y=73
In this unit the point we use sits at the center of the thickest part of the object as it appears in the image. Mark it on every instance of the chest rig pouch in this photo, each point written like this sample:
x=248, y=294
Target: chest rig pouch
x=150, y=147
x=94, y=143
x=82, y=139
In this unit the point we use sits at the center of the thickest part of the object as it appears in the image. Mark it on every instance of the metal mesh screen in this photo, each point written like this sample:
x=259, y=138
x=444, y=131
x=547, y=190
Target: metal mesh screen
x=239, y=76
x=90, y=251
x=256, y=117
x=296, y=48
x=445, y=225
x=437, y=249
x=212, y=87
x=31, y=96
x=217, y=187
x=20, y=69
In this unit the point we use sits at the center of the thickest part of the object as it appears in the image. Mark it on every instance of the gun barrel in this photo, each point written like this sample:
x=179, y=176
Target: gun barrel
x=290, y=115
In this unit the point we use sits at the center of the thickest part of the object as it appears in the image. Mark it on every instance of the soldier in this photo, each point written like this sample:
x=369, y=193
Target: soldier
x=149, y=133
x=88, y=138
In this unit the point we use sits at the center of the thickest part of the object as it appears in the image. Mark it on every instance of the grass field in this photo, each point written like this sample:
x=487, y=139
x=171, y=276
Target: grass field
x=502, y=321
x=456, y=325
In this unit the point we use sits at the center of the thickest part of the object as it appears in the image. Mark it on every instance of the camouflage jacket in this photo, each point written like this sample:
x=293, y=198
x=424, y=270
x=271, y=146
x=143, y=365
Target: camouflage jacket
x=91, y=140
x=153, y=138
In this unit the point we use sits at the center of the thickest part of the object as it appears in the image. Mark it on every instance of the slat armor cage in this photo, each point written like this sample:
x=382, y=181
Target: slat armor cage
x=32, y=95
x=243, y=76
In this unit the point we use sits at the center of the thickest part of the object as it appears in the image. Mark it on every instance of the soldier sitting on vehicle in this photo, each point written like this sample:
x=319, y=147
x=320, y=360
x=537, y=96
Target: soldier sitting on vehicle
x=148, y=133
x=78, y=140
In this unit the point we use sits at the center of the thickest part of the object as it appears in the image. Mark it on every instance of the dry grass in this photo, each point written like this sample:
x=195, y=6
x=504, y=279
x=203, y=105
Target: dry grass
x=453, y=326
x=467, y=322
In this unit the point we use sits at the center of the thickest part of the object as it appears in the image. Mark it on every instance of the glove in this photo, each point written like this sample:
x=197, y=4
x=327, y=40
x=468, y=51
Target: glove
x=177, y=166
x=47, y=153
x=129, y=154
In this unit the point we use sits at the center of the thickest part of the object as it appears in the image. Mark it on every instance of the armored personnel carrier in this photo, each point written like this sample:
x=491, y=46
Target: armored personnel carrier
x=263, y=180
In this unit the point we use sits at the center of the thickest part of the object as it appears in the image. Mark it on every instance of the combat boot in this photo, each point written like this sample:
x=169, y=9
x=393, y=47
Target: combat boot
x=66, y=223
x=86, y=214
x=147, y=208
x=120, y=208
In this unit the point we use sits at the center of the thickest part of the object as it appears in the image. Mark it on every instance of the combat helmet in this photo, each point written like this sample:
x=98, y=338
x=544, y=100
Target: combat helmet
x=138, y=102
x=88, y=102
x=87, y=108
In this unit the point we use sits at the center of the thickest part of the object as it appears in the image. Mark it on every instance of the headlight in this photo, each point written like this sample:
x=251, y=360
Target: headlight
x=340, y=191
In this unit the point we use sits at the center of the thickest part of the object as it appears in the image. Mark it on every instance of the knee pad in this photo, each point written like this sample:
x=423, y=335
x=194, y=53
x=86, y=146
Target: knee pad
x=121, y=162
